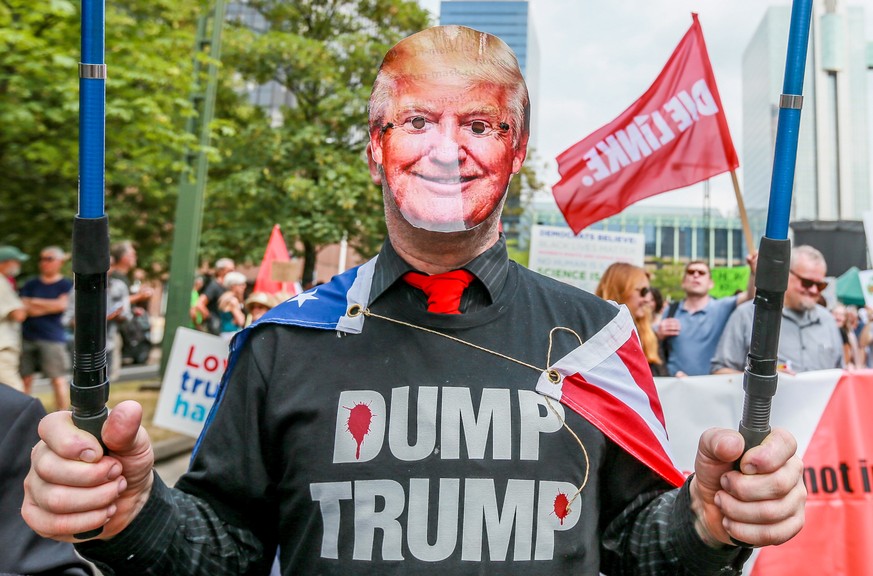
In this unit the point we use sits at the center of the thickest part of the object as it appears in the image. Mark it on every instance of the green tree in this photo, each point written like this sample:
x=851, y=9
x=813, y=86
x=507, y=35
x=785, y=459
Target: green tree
x=147, y=94
x=667, y=277
x=38, y=113
x=305, y=169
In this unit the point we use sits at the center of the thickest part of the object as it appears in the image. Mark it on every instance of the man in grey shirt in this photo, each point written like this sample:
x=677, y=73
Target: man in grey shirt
x=809, y=337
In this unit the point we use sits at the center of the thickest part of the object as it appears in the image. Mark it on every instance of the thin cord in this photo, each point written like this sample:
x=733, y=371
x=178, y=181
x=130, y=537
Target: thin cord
x=581, y=445
x=366, y=312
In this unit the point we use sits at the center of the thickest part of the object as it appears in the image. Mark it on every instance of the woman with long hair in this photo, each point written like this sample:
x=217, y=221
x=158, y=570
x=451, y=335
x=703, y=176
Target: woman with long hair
x=629, y=285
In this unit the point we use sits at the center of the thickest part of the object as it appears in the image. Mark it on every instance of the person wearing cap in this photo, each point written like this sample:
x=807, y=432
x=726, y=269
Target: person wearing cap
x=44, y=338
x=258, y=304
x=406, y=417
x=12, y=314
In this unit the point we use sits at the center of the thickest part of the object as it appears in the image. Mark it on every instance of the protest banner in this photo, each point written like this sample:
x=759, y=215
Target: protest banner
x=727, y=281
x=674, y=135
x=825, y=410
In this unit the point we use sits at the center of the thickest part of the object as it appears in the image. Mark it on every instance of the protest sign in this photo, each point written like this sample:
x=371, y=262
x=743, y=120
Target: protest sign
x=580, y=259
x=190, y=384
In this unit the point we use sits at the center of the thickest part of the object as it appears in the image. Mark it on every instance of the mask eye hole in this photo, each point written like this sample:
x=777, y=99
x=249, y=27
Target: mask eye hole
x=418, y=122
x=478, y=127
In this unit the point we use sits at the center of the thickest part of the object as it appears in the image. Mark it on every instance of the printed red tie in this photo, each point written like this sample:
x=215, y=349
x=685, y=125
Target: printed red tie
x=443, y=290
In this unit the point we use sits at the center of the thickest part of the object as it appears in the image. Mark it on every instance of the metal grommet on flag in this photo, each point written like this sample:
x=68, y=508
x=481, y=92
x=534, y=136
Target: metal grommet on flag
x=355, y=310
x=554, y=376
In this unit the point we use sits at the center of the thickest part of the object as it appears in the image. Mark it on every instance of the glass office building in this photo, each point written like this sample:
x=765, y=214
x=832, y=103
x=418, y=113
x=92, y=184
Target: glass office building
x=832, y=178
x=671, y=234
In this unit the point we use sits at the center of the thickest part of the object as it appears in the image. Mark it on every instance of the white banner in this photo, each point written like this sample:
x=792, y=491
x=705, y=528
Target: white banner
x=580, y=260
x=191, y=381
x=826, y=411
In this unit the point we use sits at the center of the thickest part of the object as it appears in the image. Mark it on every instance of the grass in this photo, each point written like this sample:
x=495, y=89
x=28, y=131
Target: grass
x=142, y=391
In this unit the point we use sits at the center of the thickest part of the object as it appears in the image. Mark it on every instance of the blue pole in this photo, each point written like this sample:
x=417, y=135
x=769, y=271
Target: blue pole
x=89, y=387
x=774, y=257
x=92, y=104
x=788, y=126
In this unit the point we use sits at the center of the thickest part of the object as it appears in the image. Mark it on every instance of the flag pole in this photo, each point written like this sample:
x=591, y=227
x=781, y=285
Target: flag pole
x=89, y=387
x=744, y=218
x=774, y=259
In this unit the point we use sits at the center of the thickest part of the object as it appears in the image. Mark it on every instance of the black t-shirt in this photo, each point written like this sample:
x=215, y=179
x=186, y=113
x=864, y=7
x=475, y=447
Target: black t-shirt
x=356, y=452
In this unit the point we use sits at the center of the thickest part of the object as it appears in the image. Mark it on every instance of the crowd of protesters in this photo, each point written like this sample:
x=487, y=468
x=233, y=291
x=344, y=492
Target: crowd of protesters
x=700, y=334
x=37, y=315
x=695, y=335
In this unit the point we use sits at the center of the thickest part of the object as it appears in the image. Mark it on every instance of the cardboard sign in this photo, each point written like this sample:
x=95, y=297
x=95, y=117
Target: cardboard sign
x=580, y=259
x=282, y=271
x=190, y=385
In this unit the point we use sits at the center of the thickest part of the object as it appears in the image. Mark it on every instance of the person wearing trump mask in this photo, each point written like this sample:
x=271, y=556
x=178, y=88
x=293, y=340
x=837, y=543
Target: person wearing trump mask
x=407, y=416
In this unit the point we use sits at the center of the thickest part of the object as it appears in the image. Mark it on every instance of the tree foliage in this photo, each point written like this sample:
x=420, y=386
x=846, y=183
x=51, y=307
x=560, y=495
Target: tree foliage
x=146, y=103
x=303, y=167
x=300, y=164
x=667, y=277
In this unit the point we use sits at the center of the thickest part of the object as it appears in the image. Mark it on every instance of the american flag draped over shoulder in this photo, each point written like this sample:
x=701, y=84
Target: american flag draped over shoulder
x=607, y=381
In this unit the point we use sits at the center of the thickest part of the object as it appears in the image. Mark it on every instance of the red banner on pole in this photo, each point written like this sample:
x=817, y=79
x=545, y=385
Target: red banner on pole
x=675, y=135
x=274, y=275
x=838, y=474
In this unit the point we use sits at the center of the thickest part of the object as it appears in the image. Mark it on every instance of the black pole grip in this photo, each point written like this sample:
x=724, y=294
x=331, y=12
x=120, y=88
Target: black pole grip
x=89, y=387
x=760, y=377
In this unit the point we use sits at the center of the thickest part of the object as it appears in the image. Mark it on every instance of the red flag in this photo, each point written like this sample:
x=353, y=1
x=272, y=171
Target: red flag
x=676, y=134
x=274, y=279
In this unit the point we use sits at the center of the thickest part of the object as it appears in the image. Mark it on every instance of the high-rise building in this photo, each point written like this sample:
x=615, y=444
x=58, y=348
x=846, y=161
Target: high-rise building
x=509, y=20
x=832, y=177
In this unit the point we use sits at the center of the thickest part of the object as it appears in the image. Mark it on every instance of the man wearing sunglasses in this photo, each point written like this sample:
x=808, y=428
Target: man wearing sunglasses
x=692, y=327
x=809, y=338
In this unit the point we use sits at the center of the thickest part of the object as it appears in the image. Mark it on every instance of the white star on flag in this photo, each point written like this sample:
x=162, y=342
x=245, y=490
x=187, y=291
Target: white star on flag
x=303, y=297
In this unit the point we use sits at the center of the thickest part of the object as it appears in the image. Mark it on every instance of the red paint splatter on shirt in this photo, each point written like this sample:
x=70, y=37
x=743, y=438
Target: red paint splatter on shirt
x=360, y=417
x=562, y=507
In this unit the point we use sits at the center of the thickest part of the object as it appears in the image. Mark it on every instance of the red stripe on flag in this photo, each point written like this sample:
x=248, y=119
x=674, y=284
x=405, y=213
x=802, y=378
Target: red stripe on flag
x=621, y=424
x=620, y=418
x=631, y=353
